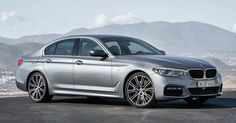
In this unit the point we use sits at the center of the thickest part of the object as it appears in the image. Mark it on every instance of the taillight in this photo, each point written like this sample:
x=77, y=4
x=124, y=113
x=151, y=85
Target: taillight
x=20, y=62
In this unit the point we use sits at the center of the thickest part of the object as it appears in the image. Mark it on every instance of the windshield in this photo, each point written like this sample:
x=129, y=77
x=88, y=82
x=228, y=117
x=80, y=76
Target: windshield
x=129, y=46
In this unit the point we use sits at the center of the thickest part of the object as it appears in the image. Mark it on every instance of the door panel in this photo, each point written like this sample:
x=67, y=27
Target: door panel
x=58, y=64
x=59, y=71
x=91, y=73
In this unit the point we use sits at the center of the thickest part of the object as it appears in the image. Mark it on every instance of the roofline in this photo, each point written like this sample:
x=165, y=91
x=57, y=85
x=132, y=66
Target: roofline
x=91, y=35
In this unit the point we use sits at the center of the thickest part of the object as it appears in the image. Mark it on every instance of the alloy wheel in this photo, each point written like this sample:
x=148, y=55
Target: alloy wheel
x=140, y=90
x=37, y=87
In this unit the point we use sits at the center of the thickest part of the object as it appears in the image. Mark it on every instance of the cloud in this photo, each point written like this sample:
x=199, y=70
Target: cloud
x=101, y=20
x=4, y=16
x=234, y=27
x=128, y=18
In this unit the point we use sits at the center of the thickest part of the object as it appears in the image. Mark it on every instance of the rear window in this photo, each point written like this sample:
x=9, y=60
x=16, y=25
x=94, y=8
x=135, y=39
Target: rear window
x=50, y=50
x=64, y=47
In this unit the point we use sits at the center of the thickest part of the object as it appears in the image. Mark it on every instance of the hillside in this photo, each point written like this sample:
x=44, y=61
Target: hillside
x=43, y=38
x=28, y=47
x=172, y=36
x=9, y=54
x=164, y=35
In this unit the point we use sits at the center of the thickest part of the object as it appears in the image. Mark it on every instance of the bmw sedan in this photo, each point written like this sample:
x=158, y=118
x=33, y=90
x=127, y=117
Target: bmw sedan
x=115, y=66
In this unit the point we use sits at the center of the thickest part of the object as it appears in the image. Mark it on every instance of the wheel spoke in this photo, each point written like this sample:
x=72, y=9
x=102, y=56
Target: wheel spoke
x=33, y=94
x=142, y=81
x=41, y=90
x=132, y=91
x=146, y=84
x=135, y=95
x=147, y=95
x=40, y=80
x=41, y=84
x=143, y=100
x=32, y=80
x=31, y=90
x=136, y=81
x=148, y=89
x=37, y=78
x=39, y=94
x=32, y=85
x=132, y=84
x=138, y=99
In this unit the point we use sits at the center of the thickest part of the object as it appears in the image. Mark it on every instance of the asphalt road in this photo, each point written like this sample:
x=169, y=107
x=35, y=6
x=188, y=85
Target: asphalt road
x=81, y=109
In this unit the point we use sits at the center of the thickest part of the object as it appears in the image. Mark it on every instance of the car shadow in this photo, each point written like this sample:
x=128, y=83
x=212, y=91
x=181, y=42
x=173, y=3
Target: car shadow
x=216, y=103
x=96, y=101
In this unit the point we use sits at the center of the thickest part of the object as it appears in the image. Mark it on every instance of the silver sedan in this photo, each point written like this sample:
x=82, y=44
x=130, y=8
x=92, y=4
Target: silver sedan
x=115, y=66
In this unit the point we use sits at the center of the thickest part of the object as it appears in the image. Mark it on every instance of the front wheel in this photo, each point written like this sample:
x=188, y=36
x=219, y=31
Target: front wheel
x=196, y=100
x=38, y=89
x=139, y=90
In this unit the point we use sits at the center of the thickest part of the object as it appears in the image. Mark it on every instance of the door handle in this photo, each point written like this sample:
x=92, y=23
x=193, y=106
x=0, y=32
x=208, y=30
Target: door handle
x=78, y=62
x=48, y=60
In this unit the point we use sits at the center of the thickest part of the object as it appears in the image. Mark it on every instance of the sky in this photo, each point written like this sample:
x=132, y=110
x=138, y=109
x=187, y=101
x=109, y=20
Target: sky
x=32, y=17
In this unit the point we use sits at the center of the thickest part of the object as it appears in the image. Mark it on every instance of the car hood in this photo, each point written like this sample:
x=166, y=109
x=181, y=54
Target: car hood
x=170, y=61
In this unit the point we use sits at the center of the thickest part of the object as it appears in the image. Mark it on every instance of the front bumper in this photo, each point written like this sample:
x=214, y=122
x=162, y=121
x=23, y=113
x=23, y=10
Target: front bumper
x=168, y=88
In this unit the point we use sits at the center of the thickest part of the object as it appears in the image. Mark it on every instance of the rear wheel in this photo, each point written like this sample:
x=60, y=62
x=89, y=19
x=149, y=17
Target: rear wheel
x=196, y=100
x=38, y=89
x=139, y=90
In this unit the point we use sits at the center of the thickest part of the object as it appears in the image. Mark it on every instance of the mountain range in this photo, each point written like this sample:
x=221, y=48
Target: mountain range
x=187, y=36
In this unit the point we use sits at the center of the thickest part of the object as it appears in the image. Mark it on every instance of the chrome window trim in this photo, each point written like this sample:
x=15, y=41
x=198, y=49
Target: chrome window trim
x=76, y=37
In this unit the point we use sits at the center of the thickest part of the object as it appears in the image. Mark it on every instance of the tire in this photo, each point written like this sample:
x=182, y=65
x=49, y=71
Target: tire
x=196, y=100
x=38, y=88
x=139, y=90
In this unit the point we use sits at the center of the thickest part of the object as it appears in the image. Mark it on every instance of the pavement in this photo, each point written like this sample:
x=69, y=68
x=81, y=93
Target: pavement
x=104, y=110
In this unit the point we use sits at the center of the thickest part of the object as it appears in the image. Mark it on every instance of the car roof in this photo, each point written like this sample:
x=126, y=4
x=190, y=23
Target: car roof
x=97, y=36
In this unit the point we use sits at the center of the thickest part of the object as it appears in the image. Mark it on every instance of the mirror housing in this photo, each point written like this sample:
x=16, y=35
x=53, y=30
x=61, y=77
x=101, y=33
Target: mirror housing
x=162, y=52
x=98, y=53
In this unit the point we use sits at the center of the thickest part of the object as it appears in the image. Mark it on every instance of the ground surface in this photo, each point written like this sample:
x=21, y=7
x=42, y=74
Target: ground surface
x=81, y=109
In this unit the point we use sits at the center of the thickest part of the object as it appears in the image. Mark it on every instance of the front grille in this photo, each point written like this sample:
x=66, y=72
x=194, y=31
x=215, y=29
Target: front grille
x=211, y=73
x=198, y=74
x=173, y=90
x=203, y=91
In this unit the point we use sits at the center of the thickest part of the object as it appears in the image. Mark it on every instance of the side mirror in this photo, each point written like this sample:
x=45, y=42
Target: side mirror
x=98, y=53
x=162, y=52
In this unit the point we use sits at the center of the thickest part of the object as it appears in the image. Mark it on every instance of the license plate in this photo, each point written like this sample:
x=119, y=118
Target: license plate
x=210, y=83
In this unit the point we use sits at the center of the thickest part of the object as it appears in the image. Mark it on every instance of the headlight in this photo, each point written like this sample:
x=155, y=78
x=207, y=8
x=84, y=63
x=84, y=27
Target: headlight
x=169, y=72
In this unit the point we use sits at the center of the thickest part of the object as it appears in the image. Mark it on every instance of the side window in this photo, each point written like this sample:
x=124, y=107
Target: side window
x=87, y=45
x=113, y=47
x=138, y=49
x=65, y=47
x=50, y=50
